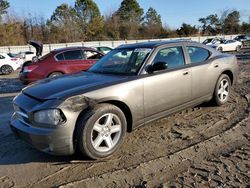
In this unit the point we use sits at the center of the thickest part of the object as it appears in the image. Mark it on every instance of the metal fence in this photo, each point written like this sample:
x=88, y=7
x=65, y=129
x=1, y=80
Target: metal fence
x=48, y=47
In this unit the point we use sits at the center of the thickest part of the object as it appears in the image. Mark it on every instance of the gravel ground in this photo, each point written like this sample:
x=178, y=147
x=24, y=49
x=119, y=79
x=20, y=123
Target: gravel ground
x=205, y=145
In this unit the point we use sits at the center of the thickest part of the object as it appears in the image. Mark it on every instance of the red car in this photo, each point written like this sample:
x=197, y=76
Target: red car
x=58, y=62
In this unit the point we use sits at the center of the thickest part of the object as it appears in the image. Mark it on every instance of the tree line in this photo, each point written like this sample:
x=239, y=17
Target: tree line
x=84, y=22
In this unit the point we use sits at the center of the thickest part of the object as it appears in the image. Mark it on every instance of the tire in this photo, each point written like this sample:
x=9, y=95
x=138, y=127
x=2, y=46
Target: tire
x=6, y=69
x=96, y=139
x=220, y=49
x=55, y=74
x=238, y=48
x=222, y=90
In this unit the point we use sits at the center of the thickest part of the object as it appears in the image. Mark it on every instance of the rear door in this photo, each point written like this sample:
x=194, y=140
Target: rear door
x=203, y=71
x=166, y=89
x=74, y=60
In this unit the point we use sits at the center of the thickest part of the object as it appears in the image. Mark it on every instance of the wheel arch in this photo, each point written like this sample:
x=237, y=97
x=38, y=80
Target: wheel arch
x=229, y=73
x=126, y=111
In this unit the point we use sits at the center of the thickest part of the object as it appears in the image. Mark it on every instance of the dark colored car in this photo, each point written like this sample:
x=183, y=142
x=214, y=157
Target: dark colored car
x=129, y=87
x=245, y=39
x=59, y=62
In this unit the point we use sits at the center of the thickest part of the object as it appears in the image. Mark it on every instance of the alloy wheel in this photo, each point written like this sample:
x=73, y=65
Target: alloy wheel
x=6, y=69
x=106, y=132
x=223, y=91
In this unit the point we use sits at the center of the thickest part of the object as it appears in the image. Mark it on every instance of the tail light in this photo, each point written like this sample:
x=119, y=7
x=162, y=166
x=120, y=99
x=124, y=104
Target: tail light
x=29, y=68
x=13, y=59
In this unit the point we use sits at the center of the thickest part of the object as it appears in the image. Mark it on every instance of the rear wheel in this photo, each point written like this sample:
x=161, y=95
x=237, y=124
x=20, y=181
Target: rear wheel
x=6, y=69
x=238, y=48
x=55, y=74
x=101, y=131
x=222, y=90
x=220, y=49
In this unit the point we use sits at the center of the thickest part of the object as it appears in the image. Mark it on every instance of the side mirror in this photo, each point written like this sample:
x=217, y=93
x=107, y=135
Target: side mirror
x=157, y=66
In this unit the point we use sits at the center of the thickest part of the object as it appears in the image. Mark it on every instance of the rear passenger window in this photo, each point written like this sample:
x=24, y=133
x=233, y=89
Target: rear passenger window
x=60, y=57
x=73, y=55
x=172, y=56
x=197, y=54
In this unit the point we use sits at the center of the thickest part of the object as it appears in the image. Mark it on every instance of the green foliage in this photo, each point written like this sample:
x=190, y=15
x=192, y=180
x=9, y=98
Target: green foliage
x=4, y=5
x=129, y=11
x=87, y=10
x=210, y=25
x=187, y=30
x=231, y=24
x=152, y=17
x=245, y=28
x=89, y=19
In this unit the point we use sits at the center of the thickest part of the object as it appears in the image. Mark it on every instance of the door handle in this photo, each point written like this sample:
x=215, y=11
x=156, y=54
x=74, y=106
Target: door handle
x=216, y=66
x=185, y=73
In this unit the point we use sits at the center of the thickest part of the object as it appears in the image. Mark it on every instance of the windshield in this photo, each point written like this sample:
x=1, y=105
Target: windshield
x=207, y=41
x=121, y=61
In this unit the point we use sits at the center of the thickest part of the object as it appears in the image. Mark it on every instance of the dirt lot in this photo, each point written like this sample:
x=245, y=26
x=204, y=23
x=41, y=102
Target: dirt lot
x=198, y=147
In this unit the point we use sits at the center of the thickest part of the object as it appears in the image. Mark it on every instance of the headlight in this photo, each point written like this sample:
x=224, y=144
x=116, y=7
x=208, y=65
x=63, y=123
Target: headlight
x=51, y=116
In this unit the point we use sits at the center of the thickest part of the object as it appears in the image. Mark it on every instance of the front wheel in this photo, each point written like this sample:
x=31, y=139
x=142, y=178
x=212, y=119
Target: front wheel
x=102, y=131
x=222, y=90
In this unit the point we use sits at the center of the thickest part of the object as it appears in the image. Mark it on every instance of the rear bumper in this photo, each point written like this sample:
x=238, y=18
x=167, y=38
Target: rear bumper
x=25, y=78
x=50, y=141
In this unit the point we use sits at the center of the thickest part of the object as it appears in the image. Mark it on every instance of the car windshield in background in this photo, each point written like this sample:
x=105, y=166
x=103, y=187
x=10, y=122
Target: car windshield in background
x=121, y=61
x=207, y=41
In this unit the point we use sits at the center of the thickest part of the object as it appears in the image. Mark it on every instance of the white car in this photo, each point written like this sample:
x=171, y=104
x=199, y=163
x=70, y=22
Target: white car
x=228, y=45
x=8, y=64
x=213, y=41
x=26, y=56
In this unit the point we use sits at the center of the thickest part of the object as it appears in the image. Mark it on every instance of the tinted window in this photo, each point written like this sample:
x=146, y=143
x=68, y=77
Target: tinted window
x=197, y=54
x=60, y=57
x=89, y=54
x=73, y=55
x=171, y=56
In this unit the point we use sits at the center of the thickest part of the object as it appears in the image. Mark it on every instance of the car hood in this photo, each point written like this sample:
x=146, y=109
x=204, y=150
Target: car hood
x=70, y=85
x=38, y=46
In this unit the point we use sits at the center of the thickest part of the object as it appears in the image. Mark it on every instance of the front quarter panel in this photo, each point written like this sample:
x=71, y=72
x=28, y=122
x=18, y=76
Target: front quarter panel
x=129, y=93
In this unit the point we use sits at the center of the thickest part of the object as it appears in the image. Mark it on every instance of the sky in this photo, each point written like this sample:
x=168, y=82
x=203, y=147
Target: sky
x=173, y=12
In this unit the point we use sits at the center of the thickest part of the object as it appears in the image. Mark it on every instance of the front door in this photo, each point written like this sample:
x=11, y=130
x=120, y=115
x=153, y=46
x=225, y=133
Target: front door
x=166, y=89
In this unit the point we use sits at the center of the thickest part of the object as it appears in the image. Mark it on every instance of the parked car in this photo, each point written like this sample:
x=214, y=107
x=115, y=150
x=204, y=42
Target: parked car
x=212, y=41
x=103, y=49
x=59, y=62
x=228, y=45
x=26, y=56
x=245, y=39
x=8, y=64
x=129, y=87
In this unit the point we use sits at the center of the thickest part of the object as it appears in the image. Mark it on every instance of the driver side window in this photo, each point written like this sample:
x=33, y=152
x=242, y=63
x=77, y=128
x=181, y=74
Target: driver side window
x=173, y=57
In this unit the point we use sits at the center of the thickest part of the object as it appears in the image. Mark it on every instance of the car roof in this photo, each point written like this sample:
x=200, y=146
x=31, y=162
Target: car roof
x=153, y=44
x=73, y=48
x=4, y=54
